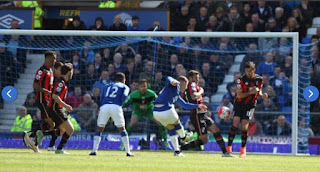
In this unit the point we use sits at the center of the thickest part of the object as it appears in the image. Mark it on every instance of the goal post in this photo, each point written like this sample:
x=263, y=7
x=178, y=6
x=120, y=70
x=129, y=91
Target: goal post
x=135, y=37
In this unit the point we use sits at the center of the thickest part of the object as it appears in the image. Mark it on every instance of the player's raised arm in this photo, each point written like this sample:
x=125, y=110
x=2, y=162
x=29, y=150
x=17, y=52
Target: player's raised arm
x=172, y=81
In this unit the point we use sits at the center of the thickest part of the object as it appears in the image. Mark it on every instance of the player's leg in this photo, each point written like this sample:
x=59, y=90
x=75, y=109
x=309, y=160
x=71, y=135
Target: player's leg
x=233, y=130
x=163, y=133
x=244, y=136
x=68, y=127
x=102, y=120
x=200, y=128
x=133, y=121
x=54, y=135
x=116, y=114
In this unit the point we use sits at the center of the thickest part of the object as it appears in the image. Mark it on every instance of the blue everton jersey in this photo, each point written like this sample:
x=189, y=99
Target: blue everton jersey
x=114, y=93
x=169, y=95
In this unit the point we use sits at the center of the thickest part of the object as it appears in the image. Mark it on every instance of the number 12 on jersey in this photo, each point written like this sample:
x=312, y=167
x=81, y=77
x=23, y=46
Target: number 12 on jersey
x=112, y=92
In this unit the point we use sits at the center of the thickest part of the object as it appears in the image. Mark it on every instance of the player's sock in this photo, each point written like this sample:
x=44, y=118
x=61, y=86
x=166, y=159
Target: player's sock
x=220, y=141
x=180, y=130
x=63, y=141
x=129, y=129
x=163, y=132
x=96, y=141
x=192, y=144
x=125, y=140
x=32, y=133
x=244, y=136
x=232, y=134
x=53, y=138
x=175, y=142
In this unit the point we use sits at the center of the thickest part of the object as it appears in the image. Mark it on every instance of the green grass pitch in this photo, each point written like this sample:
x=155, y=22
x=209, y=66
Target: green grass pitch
x=79, y=160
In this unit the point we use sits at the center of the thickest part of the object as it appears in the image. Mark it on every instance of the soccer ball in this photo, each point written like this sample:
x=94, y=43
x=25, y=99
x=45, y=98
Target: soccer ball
x=223, y=112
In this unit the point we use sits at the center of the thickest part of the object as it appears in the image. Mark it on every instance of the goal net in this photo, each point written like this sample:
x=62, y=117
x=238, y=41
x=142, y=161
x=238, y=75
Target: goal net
x=279, y=125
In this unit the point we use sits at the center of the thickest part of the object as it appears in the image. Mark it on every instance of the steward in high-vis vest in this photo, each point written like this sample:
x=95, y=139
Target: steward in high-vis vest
x=38, y=12
x=23, y=121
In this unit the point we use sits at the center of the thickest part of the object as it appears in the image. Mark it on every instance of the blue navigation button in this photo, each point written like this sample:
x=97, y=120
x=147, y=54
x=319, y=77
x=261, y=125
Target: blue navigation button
x=311, y=93
x=9, y=93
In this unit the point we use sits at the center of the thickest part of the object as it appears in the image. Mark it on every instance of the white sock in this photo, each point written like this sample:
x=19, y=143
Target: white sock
x=125, y=141
x=181, y=133
x=96, y=142
x=175, y=143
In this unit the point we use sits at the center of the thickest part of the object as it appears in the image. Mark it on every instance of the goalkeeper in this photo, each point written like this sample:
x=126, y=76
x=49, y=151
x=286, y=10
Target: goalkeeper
x=142, y=100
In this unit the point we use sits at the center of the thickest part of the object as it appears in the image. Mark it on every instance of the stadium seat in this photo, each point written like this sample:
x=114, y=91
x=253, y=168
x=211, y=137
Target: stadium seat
x=228, y=78
x=311, y=31
x=316, y=22
x=222, y=88
x=235, y=68
x=239, y=58
x=216, y=99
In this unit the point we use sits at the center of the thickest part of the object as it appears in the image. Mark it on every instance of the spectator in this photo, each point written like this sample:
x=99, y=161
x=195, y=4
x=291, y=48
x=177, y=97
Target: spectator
x=280, y=17
x=267, y=66
x=7, y=68
x=170, y=70
x=106, y=59
x=266, y=106
x=202, y=18
x=118, y=64
x=134, y=86
x=98, y=65
x=277, y=81
x=288, y=66
x=284, y=48
x=236, y=76
x=220, y=14
x=130, y=72
x=287, y=92
x=271, y=25
x=89, y=77
x=218, y=69
x=23, y=121
x=213, y=24
x=104, y=80
x=156, y=24
x=147, y=73
x=87, y=53
x=255, y=128
x=280, y=127
x=184, y=54
x=193, y=26
x=182, y=20
x=86, y=115
x=126, y=51
x=286, y=9
x=246, y=13
x=111, y=70
x=235, y=21
x=117, y=24
x=30, y=103
x=253, y=55
x=76, y=98
x=258, y=24
x=76, y=24
x=293, y=26
x=307, y=13
x=99, y=25
x=264, y=11
x=96, y=95
x=79, y=65
x=208, y=76
x=138, y=63
x=277, y=57
x=159, y=82
x=135, y=24
x=225, y=57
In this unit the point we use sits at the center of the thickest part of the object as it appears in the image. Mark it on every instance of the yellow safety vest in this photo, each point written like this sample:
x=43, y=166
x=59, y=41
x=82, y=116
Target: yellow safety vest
x=22, y=124
x=107, y=4
x=38, y=12
x=75, y=124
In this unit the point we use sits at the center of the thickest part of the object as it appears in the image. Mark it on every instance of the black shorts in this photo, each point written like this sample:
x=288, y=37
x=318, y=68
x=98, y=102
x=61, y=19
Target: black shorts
x=201, y=122
x=44, y=109
x=58, y=116
x=243, y=113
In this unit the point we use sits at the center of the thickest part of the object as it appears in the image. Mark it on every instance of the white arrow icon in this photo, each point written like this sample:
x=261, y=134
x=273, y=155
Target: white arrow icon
x=8, y=93
x=311, y=93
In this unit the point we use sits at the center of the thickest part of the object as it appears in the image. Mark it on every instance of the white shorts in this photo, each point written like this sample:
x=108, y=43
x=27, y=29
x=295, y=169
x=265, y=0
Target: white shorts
x=111, y=111
x=166, y=117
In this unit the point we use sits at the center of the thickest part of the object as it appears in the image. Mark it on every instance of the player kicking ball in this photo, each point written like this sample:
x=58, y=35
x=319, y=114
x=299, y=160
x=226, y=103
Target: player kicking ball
x=112, y=98
x=165, y=113
x=248, y=89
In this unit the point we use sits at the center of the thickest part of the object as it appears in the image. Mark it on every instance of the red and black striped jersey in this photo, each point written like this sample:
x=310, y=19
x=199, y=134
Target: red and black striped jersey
x=245, y=84
x=44, y=77
x=192, y=88
x=59, y=88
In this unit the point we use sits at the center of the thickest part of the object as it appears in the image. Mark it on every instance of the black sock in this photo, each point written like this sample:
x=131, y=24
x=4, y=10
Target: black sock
x=33, y=133
x=53, y=138
x=220, y=141
x=192, y=144
x=244, y=137
x=64, y=140
x=232, y=134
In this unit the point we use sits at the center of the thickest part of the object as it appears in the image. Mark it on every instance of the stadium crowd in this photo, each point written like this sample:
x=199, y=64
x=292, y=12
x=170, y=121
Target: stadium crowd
x=95, y=67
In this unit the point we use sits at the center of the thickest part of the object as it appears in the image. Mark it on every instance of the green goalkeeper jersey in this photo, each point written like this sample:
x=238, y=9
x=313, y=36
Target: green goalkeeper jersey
x=138, y=100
